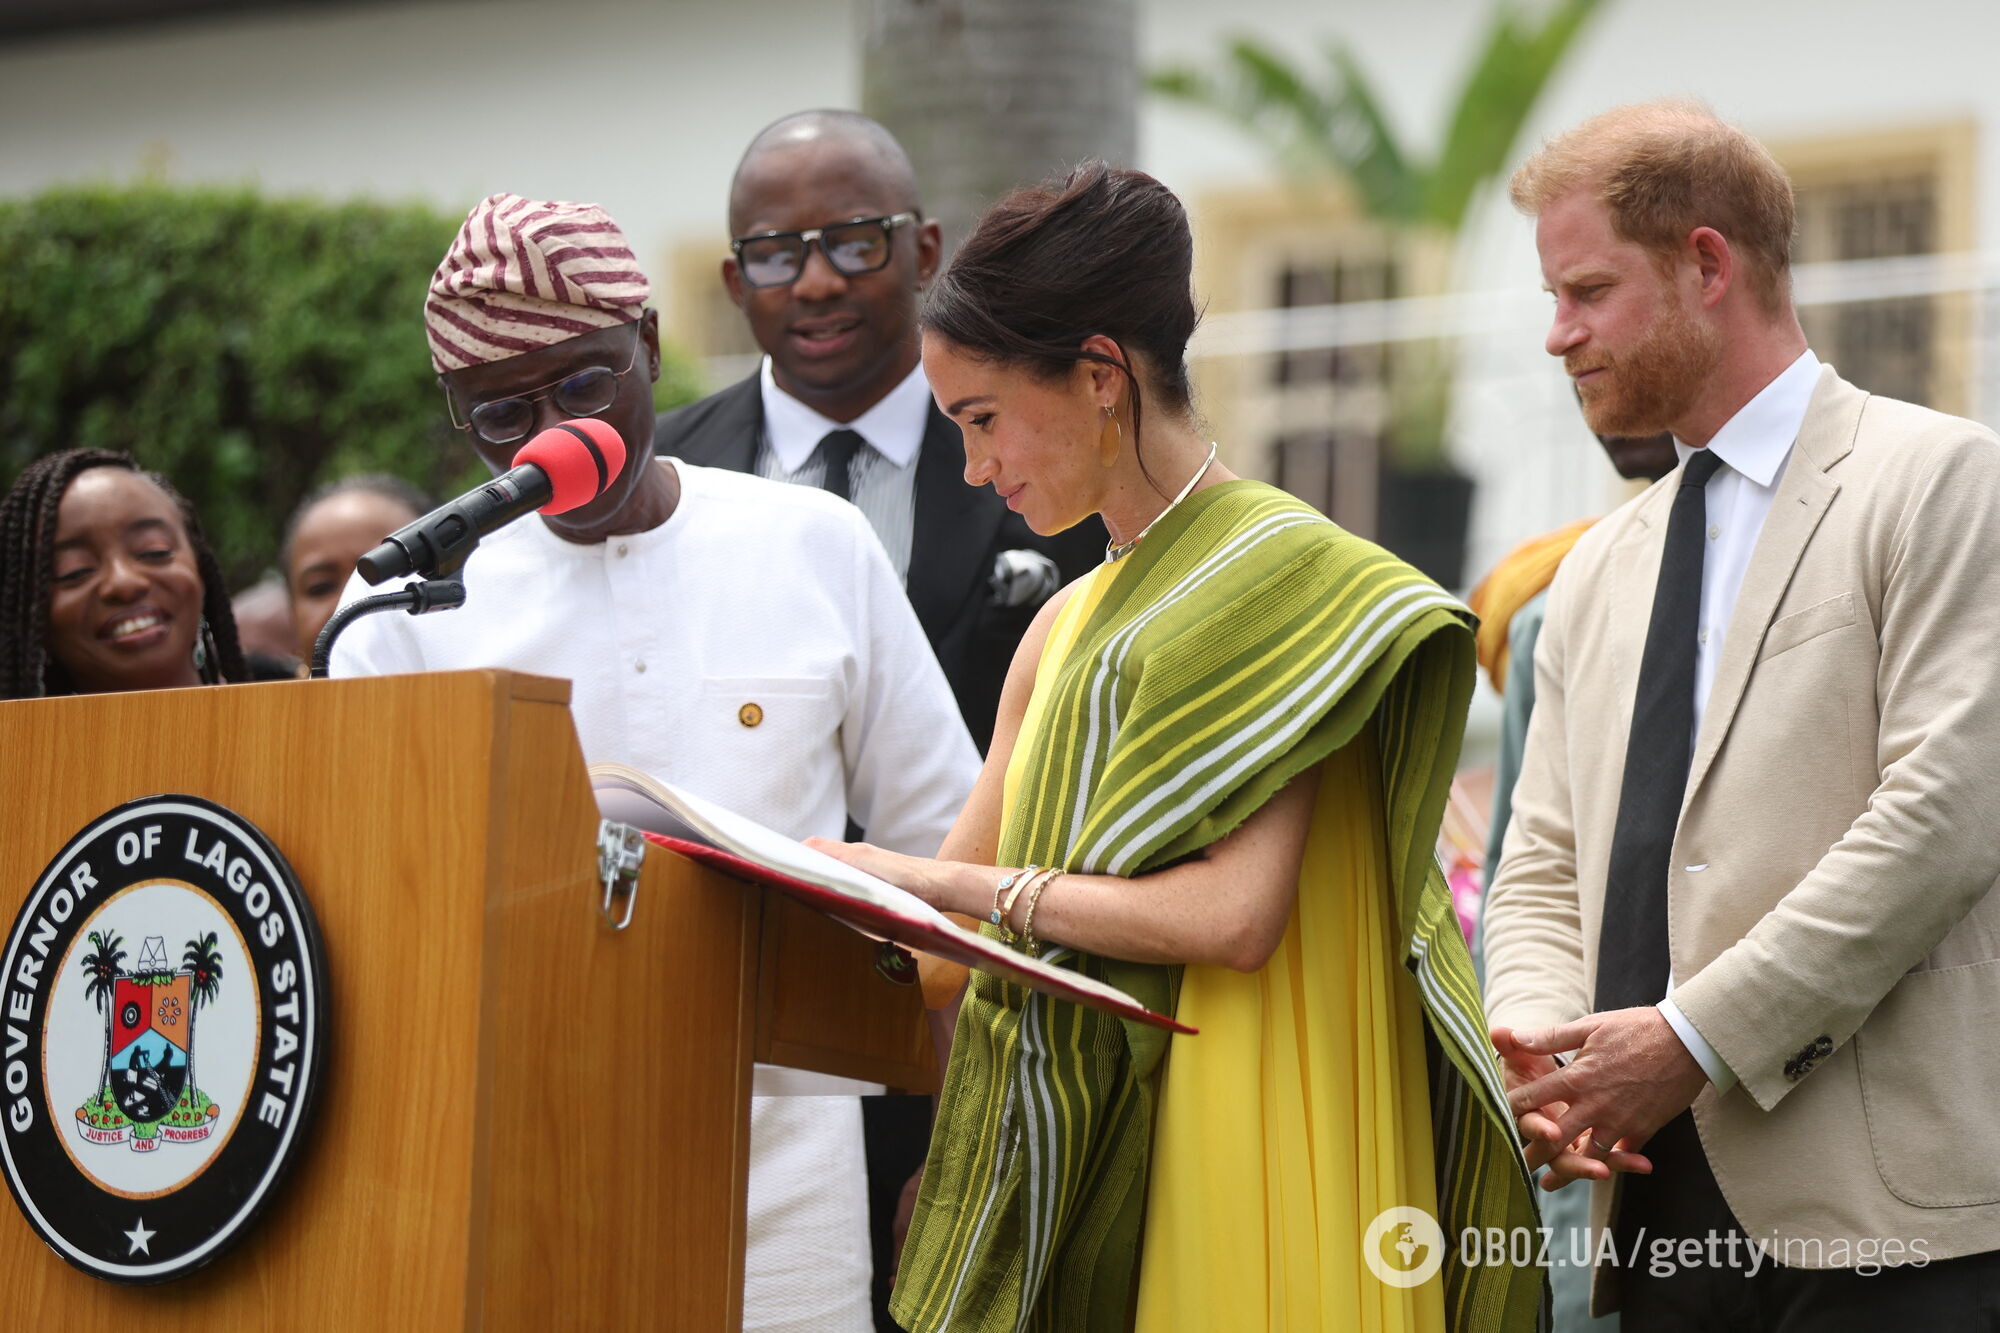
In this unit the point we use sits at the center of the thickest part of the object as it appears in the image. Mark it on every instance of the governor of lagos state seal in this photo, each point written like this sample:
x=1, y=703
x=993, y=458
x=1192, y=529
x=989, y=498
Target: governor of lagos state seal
x=162, y=1020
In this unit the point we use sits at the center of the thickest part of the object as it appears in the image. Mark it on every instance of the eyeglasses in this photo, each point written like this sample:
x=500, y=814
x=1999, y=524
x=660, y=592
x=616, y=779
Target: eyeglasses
x=586, y=393
x=776, y=258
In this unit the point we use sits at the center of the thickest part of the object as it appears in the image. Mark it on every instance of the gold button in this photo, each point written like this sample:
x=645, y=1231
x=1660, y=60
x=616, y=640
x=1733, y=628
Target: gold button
x=749, y=715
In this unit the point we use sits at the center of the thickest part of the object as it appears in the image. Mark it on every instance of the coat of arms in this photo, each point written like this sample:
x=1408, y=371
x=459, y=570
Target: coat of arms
x=137, y=1152
x=146, y=1091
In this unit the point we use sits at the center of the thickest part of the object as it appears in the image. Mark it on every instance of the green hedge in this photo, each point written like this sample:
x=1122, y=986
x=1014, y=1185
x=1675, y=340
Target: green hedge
x=248, y=347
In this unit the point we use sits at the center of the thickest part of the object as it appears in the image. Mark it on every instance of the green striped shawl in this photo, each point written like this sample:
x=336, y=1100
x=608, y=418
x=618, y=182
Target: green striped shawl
x=1246, y=639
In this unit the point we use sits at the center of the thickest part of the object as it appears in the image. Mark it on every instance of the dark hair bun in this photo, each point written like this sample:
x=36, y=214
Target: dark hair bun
x=1099, y=251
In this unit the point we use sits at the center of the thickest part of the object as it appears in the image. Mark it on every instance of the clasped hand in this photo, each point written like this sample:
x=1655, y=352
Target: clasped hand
x=1584, y=1120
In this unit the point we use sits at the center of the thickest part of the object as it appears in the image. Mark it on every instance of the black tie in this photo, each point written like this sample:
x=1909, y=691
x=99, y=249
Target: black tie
x=1632, y=960
x=837, y=449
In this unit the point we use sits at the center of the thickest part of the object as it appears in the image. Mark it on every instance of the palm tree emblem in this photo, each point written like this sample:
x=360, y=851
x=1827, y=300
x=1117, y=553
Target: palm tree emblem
x=203, y=963
x=101, y=965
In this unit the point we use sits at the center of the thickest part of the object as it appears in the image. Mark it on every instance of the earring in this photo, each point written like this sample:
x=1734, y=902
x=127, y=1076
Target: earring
x=1110, y=438
x=201, y=642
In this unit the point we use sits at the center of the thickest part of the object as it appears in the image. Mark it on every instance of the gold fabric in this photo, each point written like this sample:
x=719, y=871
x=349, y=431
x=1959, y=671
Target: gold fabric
x=1301, y=1112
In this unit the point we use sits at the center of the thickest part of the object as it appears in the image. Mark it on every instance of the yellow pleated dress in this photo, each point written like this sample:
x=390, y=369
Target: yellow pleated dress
x=1301, y=1111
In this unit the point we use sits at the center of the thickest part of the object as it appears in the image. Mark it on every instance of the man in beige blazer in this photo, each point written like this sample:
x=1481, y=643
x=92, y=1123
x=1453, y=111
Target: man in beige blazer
x=1746, y=886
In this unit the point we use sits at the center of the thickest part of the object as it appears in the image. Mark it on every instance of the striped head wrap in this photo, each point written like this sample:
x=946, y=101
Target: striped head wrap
x=525, y=274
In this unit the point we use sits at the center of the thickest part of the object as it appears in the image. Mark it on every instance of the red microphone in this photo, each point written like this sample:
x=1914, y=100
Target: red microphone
x=564, y=467
x=578, y=457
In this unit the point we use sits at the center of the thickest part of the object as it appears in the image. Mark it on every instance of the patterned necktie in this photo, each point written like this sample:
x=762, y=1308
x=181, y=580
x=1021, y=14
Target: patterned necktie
x=837, y=449
x=1632, y=957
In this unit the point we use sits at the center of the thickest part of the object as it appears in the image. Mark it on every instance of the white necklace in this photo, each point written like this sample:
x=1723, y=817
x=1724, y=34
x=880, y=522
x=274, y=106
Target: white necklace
x=1114, y=552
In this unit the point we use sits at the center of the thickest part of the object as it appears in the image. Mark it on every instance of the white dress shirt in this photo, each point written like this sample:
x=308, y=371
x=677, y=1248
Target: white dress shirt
x=1754, y=446
x=751, y=593
x=882, y=477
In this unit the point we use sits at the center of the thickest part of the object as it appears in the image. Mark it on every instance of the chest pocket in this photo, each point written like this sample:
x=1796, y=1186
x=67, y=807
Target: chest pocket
x=770, y=743
x=1825, y=653
x=1790, y=631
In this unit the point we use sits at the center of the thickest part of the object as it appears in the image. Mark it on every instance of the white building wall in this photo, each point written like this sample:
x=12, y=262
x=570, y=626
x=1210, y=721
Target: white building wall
x=643, y=107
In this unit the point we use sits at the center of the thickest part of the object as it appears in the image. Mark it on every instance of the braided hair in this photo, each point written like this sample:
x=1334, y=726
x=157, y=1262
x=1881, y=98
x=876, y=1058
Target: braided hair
x=27, y=568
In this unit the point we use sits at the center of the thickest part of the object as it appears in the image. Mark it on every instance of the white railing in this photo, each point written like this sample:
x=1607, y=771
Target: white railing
x=1514, y=425
x=1512, y=310
x=1475, y=314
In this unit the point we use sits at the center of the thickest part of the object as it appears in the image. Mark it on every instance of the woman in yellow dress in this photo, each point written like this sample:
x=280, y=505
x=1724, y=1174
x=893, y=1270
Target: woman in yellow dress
x=1215, y=782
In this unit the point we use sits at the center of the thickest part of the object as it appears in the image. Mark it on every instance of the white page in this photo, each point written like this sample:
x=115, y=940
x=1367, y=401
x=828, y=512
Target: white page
x=753, y=842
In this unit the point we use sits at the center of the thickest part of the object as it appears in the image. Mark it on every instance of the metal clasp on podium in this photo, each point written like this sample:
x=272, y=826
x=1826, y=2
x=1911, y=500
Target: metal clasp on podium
x=621, y=850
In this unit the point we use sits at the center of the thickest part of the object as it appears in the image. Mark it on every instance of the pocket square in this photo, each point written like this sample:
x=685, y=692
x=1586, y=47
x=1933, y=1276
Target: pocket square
x=1022, y=578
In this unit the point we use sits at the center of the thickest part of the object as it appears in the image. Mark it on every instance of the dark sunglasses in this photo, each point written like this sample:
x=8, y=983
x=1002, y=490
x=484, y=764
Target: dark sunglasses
x=776, y=258
x=585, y=393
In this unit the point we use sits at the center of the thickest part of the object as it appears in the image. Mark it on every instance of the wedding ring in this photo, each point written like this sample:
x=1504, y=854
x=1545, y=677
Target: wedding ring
x=1604, y=1148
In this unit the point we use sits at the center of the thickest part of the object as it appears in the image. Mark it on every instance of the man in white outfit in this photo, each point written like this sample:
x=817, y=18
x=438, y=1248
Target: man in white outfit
x=740, y=638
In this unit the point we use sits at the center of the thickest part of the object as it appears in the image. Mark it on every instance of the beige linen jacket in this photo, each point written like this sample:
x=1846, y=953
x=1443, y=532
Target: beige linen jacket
x=1832, y=927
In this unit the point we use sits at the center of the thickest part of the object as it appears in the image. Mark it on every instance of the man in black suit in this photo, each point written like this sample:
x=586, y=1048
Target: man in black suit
x=829, y=254
x=830, y=250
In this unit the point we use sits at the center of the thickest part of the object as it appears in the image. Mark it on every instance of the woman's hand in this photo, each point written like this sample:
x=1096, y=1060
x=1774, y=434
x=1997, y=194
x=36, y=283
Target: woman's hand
x=1228, y=906
x=916, y=875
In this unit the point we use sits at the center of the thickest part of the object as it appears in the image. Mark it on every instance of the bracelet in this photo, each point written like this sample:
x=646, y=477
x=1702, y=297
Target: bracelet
x=1026, y=886
x=1015, y=880
x=1007, y=907
x=1034, y=901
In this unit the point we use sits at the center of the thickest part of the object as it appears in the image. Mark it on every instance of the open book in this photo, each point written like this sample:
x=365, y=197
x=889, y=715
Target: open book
x=742, y=848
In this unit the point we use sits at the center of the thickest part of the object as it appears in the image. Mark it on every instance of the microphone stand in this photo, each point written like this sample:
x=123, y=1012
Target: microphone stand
x=419, y=598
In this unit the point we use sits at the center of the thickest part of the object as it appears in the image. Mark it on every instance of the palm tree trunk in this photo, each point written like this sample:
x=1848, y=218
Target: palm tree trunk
x=104, y=1061
x=188, y=1084
x=989, y=94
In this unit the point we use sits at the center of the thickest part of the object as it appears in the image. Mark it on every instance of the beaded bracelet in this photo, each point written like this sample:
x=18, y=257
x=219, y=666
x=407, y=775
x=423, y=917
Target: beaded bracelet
x=1034, y=901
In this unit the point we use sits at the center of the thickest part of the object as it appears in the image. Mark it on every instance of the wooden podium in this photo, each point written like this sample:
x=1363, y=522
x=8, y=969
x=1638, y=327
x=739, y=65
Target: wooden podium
x=526, y=1118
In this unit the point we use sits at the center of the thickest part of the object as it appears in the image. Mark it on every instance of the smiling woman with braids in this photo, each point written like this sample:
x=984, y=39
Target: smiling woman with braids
x=1216, y=782
x=106, y=583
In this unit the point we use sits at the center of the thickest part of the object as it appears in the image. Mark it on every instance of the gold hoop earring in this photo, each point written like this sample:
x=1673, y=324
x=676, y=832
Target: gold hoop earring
x=1110, y=438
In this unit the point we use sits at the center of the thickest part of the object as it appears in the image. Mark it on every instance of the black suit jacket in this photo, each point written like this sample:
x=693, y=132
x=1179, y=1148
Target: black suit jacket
x=959, y=531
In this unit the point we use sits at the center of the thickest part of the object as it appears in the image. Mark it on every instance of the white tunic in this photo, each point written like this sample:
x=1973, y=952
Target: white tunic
x=756, y=600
